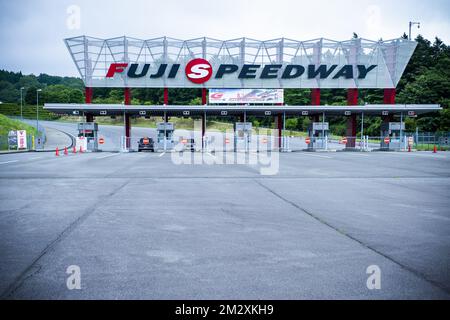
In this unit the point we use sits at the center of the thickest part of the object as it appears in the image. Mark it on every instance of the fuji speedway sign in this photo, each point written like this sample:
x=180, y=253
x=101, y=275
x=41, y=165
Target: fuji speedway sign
x=240, y=63
x=200, y=71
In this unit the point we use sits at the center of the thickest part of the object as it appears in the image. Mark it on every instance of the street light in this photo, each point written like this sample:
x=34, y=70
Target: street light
x=37, y=109
x=21, y=102
x=411, y=23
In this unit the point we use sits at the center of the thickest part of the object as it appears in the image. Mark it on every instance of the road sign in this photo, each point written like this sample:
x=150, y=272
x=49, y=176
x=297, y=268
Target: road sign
x=101, y=141
x=410, y=141
x=344, y=140
x=39, y=143
x=81, y=143
x=307, y=140
x=227, y=140
x=387, y=140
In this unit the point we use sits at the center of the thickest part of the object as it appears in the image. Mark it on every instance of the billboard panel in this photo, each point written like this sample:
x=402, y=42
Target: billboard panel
x=244, y=96
x=21, y=139
x=240, y=63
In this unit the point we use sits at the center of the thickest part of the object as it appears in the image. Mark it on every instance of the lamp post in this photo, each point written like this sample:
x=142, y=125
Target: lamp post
x=411, y=23
x=37, y=109
x=21, y=102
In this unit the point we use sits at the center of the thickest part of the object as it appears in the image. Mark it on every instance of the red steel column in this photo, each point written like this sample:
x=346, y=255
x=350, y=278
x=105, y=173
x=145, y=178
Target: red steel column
x=166, y=96
x=88, y=95
x=127, y=95
x=204, y=95
x=352, y=100
x=315, y=101
x=389, y=96
x=88, y=99
x=204, y=101
x=315, y=97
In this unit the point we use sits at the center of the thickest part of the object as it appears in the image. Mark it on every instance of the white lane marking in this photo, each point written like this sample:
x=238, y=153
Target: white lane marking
x=35, y=158
x=162, y=154
x=428, y=155
x=107, y=156
x=316, y=155
x=357, y=154
x=11, y=161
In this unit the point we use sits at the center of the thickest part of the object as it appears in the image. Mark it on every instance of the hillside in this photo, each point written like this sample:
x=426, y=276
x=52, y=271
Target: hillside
x=426, y=80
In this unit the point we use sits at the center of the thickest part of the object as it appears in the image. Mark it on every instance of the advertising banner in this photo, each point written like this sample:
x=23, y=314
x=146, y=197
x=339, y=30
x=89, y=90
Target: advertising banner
x=12, y=139
x=244, y=96
x=22, y=139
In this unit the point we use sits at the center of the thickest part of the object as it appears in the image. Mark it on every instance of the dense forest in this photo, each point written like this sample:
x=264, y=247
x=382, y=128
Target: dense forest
x=426, y=80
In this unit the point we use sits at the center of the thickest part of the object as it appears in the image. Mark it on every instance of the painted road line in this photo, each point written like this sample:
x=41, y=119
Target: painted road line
x=11, y=161
x=357, y=154
x=107, y=156
x=427, y=155
x=316, y=155
x=35, y=158
x=162, y=154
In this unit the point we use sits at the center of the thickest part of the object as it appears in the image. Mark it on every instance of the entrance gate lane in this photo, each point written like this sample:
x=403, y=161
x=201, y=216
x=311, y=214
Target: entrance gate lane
x=294, y=143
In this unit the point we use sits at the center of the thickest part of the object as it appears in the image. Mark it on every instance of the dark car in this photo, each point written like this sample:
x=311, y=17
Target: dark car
x=146, y=143
x=188, y=144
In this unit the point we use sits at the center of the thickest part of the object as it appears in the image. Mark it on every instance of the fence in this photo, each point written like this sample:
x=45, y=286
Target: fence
x=421, y=141
x=31, y=143
x=427, y=140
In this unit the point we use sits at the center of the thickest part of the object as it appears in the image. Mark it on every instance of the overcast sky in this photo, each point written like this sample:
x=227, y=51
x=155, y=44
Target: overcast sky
x=32, y=31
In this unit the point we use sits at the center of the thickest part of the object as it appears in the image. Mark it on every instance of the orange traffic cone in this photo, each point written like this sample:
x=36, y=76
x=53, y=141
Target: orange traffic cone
x=81, y=149
x=409, y=148
x=57, y=152
x=65, y=151
x=434, y=149
x=74, y=150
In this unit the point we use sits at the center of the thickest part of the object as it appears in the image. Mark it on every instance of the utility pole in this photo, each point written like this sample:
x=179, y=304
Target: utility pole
x=37, y=109
x=411, y=24
x=21, y=102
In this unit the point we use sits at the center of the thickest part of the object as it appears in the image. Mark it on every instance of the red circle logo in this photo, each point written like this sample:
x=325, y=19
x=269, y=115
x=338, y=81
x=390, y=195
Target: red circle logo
x=198, y=71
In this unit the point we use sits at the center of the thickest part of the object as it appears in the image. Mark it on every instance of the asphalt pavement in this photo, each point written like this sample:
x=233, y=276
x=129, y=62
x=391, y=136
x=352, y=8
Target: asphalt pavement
x=141, y=225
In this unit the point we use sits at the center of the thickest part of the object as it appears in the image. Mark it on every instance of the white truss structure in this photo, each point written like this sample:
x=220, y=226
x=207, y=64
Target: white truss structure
x=93, y=57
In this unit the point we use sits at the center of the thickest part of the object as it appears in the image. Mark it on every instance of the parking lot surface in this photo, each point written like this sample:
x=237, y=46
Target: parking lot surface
x=140, y=226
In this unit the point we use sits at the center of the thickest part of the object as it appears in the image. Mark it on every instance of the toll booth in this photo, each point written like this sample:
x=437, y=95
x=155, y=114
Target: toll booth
x=164, y=135
x=242, y=136
x=89, y=130
x=318, y=134
x=393, y=131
